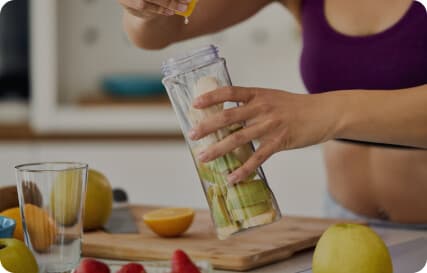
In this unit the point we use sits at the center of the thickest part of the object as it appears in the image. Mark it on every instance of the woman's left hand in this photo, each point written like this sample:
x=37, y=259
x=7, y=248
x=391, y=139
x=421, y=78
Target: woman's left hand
x=278, y=120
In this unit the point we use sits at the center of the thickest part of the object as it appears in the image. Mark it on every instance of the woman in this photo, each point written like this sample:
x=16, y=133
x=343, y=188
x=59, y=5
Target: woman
x=365, y=63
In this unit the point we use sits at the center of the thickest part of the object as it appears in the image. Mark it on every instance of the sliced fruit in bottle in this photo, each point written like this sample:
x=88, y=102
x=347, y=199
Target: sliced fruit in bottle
x=261, y=219
x=224, y=164
x=243, y=153
x=219, y=211
x=242, y=214
x=248, y=194
x=250, y=203
x=225, y=225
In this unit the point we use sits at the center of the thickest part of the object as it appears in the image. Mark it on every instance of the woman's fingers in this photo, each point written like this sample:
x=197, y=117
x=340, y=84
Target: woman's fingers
x=220, y=120
x=150, y=10
x=143, y=8
x=260, y=155
x=233, y=141
x=171, y=4
x=233, y=94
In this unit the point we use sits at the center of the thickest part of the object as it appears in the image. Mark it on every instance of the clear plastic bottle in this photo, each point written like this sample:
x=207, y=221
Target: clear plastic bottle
x=234, y=208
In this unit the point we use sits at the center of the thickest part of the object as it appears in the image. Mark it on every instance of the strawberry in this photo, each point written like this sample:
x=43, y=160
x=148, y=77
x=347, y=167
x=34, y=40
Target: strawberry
x=92, y=266
x=181, y=263
x=132, y=268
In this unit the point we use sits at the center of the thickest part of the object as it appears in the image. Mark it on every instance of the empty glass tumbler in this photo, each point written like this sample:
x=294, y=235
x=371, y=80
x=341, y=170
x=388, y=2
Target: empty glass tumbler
x=247, y=204
x=51, y=197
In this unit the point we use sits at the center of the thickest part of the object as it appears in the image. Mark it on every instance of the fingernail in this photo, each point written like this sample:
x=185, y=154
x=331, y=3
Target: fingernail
x=197, y=102
x=192, y=134
x=232, y=178
x=182, y=7
x=202, y=157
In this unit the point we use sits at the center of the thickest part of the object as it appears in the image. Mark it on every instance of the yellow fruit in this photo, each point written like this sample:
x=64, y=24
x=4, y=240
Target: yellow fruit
x=65, y=199
x=41, y=227
x=99, y=201
x=16, y=257
x=351, y=248
x=190, y=9
x=169, y=222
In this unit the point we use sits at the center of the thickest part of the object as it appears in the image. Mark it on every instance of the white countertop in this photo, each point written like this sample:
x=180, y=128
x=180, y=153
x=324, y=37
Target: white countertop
x=302, y=261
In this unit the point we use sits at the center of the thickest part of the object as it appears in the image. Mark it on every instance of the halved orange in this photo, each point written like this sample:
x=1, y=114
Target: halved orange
x=169, y=222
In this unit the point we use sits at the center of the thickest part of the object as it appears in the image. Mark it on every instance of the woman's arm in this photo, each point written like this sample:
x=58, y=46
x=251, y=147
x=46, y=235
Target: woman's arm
x=392, y=117
x=283, y=121
x=209, y=16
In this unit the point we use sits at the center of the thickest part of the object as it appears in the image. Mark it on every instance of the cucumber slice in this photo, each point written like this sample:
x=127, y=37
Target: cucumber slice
x=248, y=194
x=241, y=214
x=205, y=173
x=224, y=164
x=219, y=212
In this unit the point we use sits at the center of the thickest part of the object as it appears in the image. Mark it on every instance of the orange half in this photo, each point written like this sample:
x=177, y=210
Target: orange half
x=169, y=222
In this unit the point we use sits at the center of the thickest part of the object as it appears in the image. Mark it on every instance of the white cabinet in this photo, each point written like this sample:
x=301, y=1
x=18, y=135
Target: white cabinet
x=163, y=172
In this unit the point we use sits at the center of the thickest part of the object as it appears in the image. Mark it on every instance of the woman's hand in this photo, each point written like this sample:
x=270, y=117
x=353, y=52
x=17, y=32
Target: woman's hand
x=279, y=120
x=147, y=9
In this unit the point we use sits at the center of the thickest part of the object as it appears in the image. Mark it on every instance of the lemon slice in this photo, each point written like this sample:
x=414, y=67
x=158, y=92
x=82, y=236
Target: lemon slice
x=169, y=222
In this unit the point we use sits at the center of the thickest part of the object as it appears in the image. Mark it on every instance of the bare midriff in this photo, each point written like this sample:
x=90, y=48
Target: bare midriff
x=378, y=182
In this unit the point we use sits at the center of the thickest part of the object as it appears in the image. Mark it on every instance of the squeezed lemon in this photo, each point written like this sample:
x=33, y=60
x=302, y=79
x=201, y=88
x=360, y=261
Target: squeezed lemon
x=169, y=222
x=189, y=11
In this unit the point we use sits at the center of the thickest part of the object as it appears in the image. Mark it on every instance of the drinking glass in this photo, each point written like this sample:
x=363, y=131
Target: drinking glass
x=51, y=197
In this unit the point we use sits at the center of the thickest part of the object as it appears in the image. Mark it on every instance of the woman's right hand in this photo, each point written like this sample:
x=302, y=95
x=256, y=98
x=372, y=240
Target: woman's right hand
x=148, y=9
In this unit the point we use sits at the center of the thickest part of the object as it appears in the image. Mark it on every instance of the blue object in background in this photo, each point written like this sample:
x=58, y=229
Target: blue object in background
x=7, y=227
x=134, y=85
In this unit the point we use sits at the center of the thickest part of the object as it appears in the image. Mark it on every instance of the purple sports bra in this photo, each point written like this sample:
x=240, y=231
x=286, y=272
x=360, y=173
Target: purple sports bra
x=393, y=59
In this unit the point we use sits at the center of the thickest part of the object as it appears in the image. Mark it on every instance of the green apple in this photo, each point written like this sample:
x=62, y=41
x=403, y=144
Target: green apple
x=99, y=201
x=351, y=248
x=65, y=199
x=16, y=257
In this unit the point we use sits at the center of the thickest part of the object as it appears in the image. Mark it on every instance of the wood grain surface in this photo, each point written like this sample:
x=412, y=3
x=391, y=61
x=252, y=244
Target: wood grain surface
x=241, y=252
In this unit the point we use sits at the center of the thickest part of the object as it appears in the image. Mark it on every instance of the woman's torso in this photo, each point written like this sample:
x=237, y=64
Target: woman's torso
x=388, y=183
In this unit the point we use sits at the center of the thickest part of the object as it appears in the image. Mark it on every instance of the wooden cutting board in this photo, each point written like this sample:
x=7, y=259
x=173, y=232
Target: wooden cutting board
x=244, y=251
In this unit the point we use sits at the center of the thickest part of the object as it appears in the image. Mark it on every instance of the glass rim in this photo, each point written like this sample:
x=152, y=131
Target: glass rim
x=69, y=166
x=169, y=66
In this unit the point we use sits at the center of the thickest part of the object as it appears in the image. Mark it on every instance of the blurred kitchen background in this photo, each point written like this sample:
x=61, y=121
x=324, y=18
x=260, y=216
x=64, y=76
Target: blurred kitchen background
x=72, y=88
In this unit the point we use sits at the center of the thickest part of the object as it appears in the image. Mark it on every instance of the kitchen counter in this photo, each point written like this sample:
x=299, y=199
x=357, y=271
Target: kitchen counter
x=302, y=261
